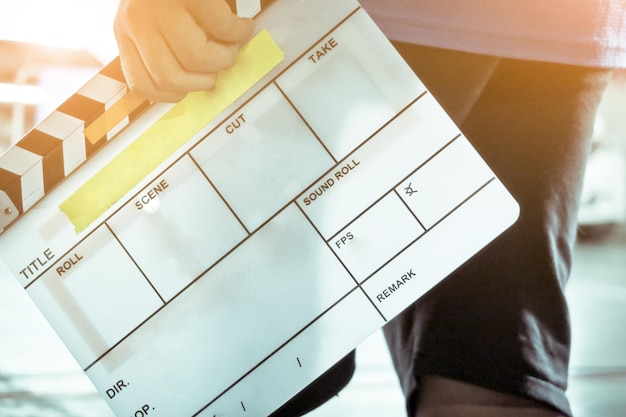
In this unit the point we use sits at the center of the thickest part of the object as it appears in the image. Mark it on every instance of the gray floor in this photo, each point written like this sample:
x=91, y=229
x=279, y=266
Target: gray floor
x=597, y=296
x=38, y=378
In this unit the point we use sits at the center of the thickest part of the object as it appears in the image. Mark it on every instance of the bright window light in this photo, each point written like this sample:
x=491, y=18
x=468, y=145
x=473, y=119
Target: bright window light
x=71, y=24
x=21, y=94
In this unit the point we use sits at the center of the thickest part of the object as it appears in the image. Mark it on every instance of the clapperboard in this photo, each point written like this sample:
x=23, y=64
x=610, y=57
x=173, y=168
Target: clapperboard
x=213, y=257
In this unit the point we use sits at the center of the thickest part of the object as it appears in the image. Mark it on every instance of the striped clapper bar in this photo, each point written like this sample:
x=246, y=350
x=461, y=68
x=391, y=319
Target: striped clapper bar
x=248, y=8
x=64, y=140
x=73, y=132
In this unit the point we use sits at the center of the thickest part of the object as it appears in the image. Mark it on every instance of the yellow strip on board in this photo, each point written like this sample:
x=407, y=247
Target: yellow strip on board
x=170, y=132
x=112, y=117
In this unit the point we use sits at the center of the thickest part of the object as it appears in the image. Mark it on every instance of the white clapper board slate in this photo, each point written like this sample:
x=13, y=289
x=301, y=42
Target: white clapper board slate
x=328, y=197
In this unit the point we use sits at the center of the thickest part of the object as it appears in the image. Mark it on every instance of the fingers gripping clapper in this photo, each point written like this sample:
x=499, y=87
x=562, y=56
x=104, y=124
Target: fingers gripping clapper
x=64, y=140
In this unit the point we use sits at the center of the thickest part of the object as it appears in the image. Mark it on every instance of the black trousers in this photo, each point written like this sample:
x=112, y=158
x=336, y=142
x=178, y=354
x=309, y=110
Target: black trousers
x=501, y=321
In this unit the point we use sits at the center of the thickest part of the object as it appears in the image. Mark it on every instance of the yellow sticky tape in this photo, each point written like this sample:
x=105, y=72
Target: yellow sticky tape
x=170, y=132
x=112, y=117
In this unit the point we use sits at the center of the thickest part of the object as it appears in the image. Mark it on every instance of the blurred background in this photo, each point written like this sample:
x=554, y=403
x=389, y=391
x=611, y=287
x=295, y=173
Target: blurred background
x=49, y=48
